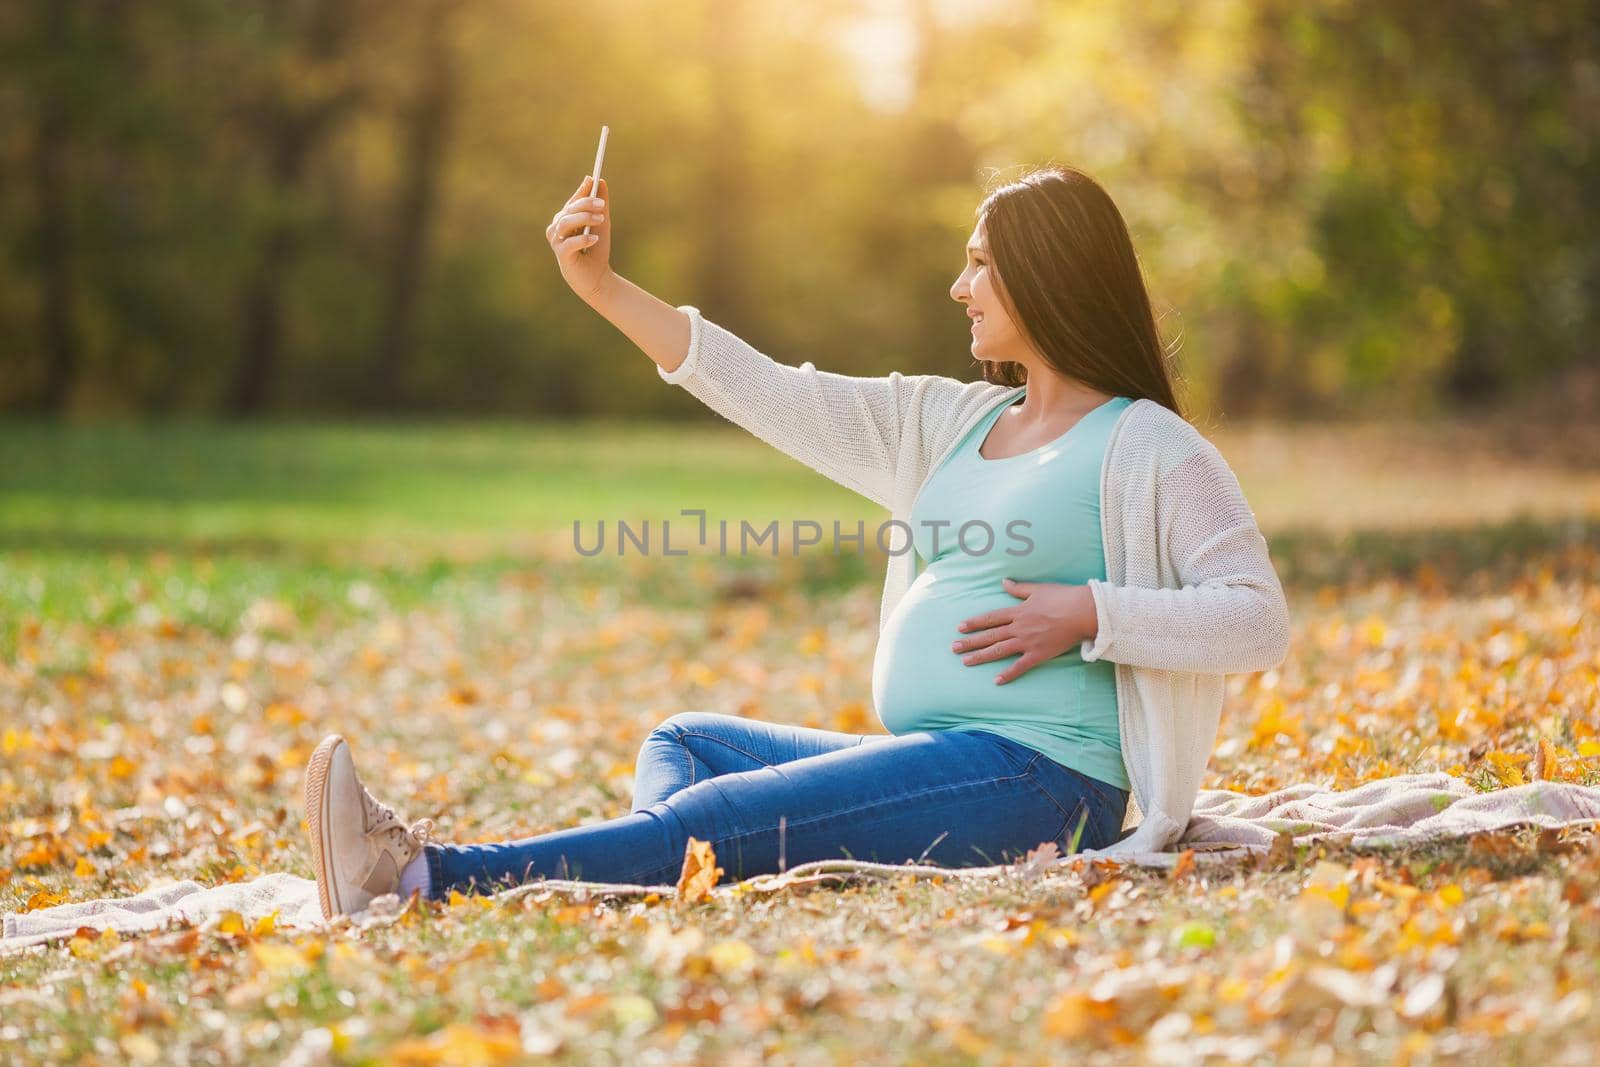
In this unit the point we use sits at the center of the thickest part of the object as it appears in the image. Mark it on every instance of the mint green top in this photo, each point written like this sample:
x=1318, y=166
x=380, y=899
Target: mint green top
x=1031, y=517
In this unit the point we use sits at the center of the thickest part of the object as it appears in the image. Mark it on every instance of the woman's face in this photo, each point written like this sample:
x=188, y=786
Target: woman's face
x=994, y=335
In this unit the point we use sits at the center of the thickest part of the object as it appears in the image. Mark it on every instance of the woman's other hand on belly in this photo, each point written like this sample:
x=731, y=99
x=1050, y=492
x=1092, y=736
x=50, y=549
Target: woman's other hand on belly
x=1051, y=618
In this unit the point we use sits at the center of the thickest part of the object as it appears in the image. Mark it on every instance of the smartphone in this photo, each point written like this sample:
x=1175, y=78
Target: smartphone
x=599, y=161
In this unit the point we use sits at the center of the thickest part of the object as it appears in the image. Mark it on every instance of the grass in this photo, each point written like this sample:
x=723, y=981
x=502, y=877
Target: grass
x=466, y=485
x=186, y=609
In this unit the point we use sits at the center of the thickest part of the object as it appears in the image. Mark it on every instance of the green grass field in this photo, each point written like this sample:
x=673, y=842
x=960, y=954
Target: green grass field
x=186, y=609
x=195, y=522
x=418, y=486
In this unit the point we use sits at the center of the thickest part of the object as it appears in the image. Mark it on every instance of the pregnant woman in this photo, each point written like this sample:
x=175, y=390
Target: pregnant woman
x=1082, y=572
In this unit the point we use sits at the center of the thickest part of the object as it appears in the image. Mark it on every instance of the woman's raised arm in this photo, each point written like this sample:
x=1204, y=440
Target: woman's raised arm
x=848, y=428
x=659, y=329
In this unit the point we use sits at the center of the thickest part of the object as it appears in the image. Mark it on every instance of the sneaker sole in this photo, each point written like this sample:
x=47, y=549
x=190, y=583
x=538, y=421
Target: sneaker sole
x=316, y=799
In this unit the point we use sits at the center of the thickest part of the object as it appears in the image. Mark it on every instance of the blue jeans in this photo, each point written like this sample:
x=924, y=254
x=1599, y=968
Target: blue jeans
x=769, y=797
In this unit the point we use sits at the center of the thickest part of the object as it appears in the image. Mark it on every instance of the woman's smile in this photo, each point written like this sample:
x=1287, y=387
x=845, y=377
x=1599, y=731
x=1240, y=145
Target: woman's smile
x=974, y=284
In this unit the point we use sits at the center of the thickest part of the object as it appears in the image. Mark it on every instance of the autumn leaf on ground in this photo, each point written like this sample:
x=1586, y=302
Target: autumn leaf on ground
x=700, y=871
x=1040, y=858
x=1184, y=865
x=1281, y=854
x=459, y=1045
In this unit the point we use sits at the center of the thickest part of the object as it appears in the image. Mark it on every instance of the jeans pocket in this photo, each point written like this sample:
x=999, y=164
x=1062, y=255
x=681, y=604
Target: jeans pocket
x=1020, y=756
x=1077, y=834
x=1087, y=801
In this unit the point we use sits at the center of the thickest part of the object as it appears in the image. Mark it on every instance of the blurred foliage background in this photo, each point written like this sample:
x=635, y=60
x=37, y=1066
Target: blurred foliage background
x=335, y=206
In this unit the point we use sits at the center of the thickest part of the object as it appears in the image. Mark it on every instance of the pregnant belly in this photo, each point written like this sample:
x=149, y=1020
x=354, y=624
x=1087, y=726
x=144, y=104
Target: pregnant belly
x=918, y=683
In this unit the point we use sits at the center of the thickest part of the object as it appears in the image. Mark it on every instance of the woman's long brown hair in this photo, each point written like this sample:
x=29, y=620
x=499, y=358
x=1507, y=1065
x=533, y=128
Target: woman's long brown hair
x=1069, y=277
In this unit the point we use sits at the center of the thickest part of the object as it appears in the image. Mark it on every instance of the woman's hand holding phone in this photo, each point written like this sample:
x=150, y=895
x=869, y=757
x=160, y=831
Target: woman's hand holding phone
x=580, y=235
x=585, y=260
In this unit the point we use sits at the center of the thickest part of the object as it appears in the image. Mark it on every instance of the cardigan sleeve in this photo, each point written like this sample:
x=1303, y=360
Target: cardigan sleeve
x=845, y=427
x=1230, y=616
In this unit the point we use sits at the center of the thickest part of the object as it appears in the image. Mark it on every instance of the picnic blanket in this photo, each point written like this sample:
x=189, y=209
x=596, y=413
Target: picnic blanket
x=1384, y=813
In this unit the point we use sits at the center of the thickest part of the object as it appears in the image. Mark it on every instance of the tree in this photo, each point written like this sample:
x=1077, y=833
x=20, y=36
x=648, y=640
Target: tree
x=427, y=126
x=305, y=93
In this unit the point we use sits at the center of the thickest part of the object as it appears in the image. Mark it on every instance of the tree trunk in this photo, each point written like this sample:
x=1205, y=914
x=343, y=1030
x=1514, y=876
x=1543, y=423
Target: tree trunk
x=721, y=210
x=292, y=133
x=58, y=329
x=262, y=342
x=428, y=131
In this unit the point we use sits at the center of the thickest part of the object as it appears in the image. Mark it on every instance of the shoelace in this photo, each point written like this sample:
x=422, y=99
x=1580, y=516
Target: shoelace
x=383, y=820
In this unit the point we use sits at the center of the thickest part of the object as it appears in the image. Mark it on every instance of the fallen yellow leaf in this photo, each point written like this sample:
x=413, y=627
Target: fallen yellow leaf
x=1069, y=1015
x=459, y=1045
x=700, y=871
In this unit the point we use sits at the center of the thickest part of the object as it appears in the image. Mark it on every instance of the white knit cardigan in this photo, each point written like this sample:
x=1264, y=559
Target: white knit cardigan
x=1190, y=593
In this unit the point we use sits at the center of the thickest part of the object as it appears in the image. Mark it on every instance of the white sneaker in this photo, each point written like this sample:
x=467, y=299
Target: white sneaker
x=358, y=846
